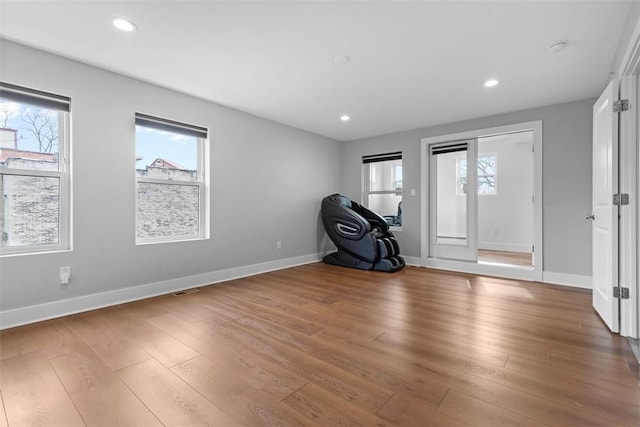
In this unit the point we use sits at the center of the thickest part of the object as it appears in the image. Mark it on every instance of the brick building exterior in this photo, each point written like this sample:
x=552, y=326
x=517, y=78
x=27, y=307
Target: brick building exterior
x=167, y=210
x=30, y=209
x=30, y=205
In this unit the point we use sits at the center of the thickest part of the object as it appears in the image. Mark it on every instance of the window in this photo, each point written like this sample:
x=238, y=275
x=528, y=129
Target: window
x=487, y=167
x=171, y=195
x=34, y=170
x=383, y=185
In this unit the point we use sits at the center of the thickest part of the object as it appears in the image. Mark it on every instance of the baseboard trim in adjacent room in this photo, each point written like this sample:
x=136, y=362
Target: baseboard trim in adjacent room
x=573, y=280
x=51, y=310
x=504, y=247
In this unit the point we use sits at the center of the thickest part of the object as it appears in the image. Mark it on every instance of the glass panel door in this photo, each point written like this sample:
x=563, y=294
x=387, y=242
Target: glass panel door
x=453, y=201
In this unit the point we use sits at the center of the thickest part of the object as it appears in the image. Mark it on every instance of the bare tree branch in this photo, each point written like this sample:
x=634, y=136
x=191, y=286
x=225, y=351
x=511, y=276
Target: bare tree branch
x=486, y=171
x=4, y=116
x=42, y=128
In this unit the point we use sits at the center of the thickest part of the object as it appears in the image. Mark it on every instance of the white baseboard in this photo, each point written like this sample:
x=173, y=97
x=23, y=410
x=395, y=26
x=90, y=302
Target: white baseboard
x=51, y=310
x=412, y=260
x=504, y=247
x=573, y=280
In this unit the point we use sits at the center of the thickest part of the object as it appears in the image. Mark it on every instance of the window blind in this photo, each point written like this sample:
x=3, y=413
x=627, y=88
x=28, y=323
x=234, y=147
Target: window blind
x=382, y=157
x=449, y=147
x=170, y=126
x=34, y=97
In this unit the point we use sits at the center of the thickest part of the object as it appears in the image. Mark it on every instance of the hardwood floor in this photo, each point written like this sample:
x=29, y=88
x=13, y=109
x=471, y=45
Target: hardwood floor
x=323, y=345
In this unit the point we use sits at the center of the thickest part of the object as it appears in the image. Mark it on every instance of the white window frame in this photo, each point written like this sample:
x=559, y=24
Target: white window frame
x=63, y=174
x=366, y=179
x=202, y=183
x=459, y=191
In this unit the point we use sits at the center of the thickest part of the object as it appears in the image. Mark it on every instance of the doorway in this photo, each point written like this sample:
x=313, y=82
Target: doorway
x=480, y=213
x=505, y=199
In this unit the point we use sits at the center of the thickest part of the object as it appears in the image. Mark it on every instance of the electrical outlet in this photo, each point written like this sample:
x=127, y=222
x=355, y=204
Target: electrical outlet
x=65, y=275
x=279, y=244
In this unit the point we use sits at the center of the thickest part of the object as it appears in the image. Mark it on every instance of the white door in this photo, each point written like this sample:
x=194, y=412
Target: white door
x=605, y=213
x=453, y=200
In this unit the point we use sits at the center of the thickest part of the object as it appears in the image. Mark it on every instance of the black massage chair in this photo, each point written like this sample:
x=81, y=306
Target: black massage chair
x=362, y=236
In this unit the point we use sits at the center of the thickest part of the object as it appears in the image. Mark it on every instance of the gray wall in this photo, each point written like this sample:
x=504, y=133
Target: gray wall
x=633, y=16
x=266, y=185
x=566, y=178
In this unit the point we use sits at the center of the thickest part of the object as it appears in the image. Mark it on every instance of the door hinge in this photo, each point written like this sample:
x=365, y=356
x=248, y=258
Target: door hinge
x=619, y=292
x=620, y=105
x=620, y=199
x=533, y=248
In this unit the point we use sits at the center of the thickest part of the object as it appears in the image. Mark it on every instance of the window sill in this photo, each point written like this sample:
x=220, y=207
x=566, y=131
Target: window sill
x=170, y=240
x=31, y=251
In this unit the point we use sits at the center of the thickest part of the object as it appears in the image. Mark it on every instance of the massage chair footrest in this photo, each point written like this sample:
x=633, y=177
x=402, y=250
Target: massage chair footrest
x=343, y=259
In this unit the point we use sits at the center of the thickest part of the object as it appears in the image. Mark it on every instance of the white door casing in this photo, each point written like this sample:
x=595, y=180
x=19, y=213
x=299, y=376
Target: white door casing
x=605, y=213
x=628, y=239
x=428, y=259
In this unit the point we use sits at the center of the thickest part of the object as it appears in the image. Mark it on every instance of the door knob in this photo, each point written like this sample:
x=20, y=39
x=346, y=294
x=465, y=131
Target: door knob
x=590, y=216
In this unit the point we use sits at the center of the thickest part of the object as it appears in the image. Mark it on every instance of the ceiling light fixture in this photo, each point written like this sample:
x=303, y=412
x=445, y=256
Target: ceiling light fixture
x=558, y=47
x=345, y=118
x=342, y=59
x=124, y=25
x=491, y=83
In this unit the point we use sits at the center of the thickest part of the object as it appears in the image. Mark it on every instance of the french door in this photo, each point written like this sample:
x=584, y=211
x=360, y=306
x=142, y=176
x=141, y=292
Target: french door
x=481, y=202
x=453, y=200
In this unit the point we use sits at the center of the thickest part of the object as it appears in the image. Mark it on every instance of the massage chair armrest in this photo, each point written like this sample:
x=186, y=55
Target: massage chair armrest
x=343, y=222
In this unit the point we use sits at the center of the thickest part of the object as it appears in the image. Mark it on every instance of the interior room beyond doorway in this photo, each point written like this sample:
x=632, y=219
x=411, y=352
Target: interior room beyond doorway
x=505, y=199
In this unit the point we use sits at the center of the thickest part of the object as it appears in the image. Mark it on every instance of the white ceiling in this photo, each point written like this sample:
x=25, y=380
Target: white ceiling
x=413, y=64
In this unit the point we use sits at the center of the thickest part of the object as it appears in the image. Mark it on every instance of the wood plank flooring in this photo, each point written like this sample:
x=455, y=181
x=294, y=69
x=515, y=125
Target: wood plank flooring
x=323, y=345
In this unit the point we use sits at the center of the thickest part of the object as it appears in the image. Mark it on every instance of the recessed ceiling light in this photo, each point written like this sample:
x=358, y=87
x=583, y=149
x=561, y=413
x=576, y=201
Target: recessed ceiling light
x=342, y=59
x=491, y=83
x=345, y=118
x=558, y=47
x=124, y=25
